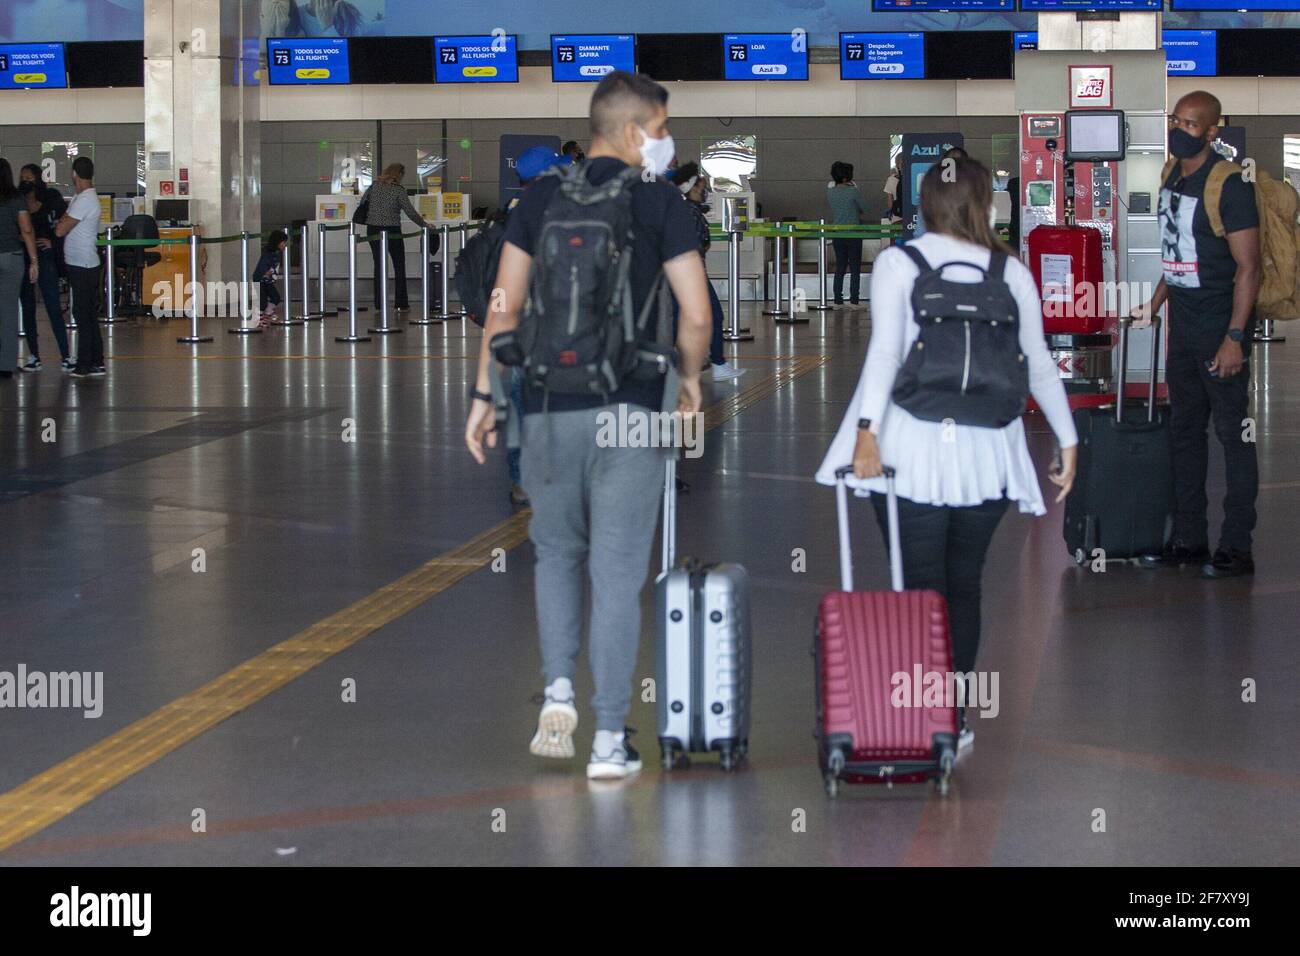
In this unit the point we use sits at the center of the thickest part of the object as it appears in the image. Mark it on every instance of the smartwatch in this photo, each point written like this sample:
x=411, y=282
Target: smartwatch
x=481, y=396
x=864, y=424
x=1236, y=335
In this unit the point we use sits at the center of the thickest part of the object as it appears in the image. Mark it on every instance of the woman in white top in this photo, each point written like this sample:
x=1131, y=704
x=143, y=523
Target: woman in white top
x=954, y=481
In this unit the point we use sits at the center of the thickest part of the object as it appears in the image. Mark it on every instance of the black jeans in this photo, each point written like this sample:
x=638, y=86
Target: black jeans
x=716, y=356
x=848, y=258
x=943, y=550
x=48, y=280
x=397, y=253
x=85, y=309
x=268, y=294
x=1196, y=398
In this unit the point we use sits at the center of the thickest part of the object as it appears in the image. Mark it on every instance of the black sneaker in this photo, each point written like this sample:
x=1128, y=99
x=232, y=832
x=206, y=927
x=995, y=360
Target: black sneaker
x=1175, y=555
x=68, y=364
x=98, y=371
x=81, y=371
x=33, y=365
x=1229, y=563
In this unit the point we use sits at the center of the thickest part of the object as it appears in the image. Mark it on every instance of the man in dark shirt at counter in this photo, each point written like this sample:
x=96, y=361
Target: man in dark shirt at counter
x=1211, y=279
x=45, y=206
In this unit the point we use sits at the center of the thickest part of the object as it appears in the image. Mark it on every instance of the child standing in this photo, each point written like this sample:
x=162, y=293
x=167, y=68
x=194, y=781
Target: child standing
x=267, y=275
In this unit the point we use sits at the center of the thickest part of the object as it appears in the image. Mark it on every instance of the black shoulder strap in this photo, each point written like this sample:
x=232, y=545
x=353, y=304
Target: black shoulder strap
x=999, y=263
x=914, y=254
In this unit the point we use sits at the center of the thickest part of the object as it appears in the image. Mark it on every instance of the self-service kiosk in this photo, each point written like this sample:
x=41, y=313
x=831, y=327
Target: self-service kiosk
x=1092, y=142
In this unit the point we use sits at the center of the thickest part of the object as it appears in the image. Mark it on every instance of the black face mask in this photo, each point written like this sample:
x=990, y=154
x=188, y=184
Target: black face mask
x=26, y=186
x=1183, y=145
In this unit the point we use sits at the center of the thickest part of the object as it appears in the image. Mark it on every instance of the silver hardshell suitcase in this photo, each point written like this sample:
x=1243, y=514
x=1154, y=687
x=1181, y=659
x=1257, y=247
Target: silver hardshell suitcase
x=704, y=653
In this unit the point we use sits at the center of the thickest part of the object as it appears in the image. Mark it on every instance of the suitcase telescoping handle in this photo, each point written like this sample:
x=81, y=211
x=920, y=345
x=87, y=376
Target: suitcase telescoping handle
x=1122, y=360
x=842, y=515
x=670, y=512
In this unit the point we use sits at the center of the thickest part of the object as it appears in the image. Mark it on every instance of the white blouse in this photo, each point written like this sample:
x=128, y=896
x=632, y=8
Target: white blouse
x=938, y=463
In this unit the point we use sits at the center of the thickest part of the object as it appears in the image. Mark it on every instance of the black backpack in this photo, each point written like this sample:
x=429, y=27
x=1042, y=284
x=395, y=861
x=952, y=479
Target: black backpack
x=579, y=333
x=966, y=365
x=476, y=270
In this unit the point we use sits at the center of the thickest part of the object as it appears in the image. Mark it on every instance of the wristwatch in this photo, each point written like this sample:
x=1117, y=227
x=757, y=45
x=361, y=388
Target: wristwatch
x=1236, y=335
x=864, y=424
x=481, y=396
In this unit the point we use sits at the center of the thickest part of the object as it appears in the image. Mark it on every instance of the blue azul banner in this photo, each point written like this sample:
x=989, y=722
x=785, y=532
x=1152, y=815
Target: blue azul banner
x=920, y=152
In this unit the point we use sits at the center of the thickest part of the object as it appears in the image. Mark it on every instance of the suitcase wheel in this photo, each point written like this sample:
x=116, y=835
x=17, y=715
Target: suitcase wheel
x=834, y=767
x=672, y=758
x=945, y=774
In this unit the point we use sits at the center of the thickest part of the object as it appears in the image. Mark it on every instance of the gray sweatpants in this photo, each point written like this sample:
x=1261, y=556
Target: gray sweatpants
x=595, y=517
x=11, y=286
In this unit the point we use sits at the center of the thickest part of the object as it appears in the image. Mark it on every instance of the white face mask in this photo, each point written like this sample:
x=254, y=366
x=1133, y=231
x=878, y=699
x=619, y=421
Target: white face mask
x=656, y=154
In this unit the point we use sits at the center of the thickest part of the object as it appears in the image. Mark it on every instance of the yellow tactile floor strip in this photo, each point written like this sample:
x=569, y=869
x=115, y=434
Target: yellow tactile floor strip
x=59, y=791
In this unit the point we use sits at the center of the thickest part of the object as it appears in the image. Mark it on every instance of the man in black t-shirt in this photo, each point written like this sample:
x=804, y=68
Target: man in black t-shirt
x=595, y=503
x=1210, y=283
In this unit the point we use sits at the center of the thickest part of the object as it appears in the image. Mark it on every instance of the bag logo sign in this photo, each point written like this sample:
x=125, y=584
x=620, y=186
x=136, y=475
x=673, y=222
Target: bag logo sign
x=1092, y=88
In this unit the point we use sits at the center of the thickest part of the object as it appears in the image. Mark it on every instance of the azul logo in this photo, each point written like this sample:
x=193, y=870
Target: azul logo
x=935, y=150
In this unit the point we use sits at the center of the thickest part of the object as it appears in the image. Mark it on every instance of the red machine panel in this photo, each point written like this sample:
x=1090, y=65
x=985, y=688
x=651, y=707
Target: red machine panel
x=1067, y=266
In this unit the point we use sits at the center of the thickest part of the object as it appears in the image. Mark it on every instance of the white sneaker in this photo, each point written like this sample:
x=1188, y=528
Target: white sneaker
x=726, y=372
x=557, y=722
x=965, y=739
x=612, y=756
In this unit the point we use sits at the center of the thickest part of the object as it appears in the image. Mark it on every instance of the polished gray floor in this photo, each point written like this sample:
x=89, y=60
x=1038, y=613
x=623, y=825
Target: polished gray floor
x=1121, y=693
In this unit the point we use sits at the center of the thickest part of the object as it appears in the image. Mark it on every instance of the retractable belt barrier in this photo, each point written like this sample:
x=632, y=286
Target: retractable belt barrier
x=791, y=232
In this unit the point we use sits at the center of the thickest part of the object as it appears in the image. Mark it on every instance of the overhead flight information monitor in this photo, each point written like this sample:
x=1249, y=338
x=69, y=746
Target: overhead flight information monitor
x=939, y=6
x=765, y=56
x=1250, y=6
x=302, y=62
x=1050, y=6
x=882, y=56
x=1190, y=52
x=482, y=59
x=578, y=59
x=32, y=66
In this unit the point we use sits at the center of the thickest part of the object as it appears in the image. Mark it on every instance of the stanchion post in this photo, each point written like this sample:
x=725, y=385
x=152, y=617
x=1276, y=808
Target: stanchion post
x=196, y=293
x=321, y=311
x=733, y=332
x=822, y=305
x=792, y=316
x=383, y=328
x=286, y=314
x=444, y=311
x=776, y=274
x=424, y=318
x=305, y=256
x=1264, y=333
x=110, y=308
x=352, y=293
x=245, y=292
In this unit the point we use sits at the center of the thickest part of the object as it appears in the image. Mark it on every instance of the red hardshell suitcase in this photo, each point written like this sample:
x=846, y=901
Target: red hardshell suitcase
x=1054, y=253
x=864, y=638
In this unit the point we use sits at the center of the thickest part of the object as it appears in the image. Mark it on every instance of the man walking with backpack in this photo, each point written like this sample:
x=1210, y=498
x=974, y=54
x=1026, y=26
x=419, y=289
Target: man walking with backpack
x=587, y=253
x=1210, y=229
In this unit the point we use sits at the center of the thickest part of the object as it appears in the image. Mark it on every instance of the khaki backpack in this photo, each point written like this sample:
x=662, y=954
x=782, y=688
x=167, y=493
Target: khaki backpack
x=1279, y=236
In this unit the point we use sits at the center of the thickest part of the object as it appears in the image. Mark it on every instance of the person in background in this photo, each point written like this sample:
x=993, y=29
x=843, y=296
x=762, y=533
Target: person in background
x=79, y=228
x=847, y=208
x=695, y=189
x=573, y=151
x=46, y=206
x=893, y=189
x=267, y=275
x=955, y=152
x=16, y=237
x=388, y=200
x=954, y=481
x=1210, y=283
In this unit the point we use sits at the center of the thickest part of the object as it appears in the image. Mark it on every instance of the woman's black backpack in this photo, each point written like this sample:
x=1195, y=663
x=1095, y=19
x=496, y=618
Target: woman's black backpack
x=966, y=365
